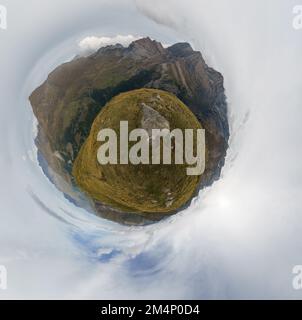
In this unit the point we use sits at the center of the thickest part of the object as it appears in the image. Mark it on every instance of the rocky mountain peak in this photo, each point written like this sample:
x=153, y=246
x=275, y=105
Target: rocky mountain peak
x=110, y=49
x=146, y=47
x=182, y=49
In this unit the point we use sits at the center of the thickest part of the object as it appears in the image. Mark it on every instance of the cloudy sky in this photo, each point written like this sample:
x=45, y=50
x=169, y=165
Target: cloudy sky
x=240, y=238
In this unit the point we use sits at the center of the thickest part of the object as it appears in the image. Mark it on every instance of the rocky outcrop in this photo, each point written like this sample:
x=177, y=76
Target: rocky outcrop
x=67, y=103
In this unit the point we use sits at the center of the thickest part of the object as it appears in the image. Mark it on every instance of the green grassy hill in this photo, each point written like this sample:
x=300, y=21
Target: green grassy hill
x=142, y=188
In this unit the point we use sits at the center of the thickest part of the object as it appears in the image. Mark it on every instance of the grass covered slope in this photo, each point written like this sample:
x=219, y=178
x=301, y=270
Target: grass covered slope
x=137, y=188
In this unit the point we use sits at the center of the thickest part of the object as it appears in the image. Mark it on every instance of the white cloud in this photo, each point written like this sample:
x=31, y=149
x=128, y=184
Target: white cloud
x=93, y=43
